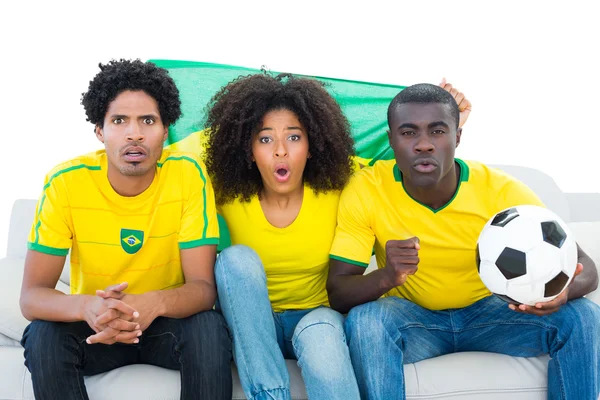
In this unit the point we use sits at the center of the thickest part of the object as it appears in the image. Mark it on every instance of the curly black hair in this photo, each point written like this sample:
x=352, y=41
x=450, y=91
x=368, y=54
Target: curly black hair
x=119, y=76
x=235, y=115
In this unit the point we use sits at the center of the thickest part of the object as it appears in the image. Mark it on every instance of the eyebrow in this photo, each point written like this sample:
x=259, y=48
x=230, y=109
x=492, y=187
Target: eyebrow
x=431, y=125
x=288, y=128
x=140, y=117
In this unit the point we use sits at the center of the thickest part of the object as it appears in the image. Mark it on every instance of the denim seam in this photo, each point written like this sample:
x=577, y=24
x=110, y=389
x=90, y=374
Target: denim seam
x=454, y=330
x=235, y=322
x=268, y=392
x=516, y=322
x=296, y=334
x=79, y=371
x=175, y=353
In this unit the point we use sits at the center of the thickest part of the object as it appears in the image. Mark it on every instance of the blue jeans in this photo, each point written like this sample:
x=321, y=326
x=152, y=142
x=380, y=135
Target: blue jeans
x=263, y=338
x=396, y=329
x=199, y=346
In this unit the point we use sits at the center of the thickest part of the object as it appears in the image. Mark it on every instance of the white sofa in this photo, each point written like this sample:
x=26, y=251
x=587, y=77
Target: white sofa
x=454, y=376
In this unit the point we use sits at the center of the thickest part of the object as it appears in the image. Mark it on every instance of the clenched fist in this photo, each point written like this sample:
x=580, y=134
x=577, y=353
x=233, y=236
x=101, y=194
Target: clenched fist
x=401, y=260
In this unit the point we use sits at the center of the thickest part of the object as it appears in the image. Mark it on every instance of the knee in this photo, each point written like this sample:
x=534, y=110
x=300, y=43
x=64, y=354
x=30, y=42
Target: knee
x=239, y=262
x=584, y=315
x=364, y=316
x=207, y=330
x=40, y=335
x=320, y=324
x=320, y=344
x=49, y=343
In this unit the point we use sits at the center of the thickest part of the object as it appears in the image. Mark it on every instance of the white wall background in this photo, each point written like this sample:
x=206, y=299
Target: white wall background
x=528, y=67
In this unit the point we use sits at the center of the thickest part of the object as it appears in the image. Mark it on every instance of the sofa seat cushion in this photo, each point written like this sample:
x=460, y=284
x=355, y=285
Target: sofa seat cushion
x=454, y=376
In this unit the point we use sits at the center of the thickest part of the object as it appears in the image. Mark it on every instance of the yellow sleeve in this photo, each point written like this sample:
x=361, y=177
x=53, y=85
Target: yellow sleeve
x=52, y=231
x=516, y=193
x=354, y=238
x=199, y=225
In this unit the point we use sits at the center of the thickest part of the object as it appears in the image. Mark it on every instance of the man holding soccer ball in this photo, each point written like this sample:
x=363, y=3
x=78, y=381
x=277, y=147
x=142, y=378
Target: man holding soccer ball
x=423, y=213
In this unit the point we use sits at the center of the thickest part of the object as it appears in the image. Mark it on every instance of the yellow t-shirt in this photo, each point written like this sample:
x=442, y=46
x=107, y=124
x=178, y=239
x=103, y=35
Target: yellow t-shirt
x=375, y=208
x=117, y=239
x=295, y=258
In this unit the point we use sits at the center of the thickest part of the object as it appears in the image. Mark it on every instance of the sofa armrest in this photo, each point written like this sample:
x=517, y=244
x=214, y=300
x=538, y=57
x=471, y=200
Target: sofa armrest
x=21, y=219
x=585, y=207
x=12, y=322
x=587, y=235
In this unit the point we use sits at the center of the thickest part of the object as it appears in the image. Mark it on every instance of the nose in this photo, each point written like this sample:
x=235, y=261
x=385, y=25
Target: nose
x=281, y=149
x=134, y=132
x=424, y=145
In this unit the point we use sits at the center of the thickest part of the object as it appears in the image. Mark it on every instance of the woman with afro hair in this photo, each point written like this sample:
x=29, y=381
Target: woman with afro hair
x=279, y=151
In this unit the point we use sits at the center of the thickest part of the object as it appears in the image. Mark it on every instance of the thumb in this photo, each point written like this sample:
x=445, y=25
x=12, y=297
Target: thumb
x=578, y=269
x=443, y=82
x=417, y=242
x=117, y=288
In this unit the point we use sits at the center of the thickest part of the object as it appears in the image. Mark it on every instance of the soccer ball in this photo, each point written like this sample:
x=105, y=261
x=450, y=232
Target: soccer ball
x=526, y=254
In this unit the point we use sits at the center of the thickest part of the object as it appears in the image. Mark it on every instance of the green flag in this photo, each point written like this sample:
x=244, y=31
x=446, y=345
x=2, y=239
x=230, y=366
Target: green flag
x=364, y=103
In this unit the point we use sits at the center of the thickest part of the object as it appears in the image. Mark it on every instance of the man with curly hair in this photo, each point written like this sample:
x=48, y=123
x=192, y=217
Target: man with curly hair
x=142, y=229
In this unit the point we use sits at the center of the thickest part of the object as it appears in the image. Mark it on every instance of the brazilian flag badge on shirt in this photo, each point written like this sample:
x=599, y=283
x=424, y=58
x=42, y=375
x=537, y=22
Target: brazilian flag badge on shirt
x=131, y=240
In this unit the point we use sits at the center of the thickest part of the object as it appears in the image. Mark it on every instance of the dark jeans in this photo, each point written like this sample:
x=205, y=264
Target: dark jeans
x=199, y=346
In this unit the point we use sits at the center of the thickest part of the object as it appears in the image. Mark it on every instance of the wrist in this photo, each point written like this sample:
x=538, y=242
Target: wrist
x=385, y=282
x=84, y=299
x=155, y=298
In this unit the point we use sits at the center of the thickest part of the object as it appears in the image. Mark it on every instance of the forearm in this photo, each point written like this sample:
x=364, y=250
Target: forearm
x=587, y=281
x=347, y=291
x=51, y=305
x=186, y=300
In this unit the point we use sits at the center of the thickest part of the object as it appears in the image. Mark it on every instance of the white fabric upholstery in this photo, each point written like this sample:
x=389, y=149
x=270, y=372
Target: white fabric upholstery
x=455, y=376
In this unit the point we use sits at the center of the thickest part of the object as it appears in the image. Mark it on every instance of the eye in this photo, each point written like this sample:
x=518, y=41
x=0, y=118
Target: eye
x=294, y=138
x=265, y=139
x=118, y=121
x=148, y=121
x=438, y=132
x=407, y=133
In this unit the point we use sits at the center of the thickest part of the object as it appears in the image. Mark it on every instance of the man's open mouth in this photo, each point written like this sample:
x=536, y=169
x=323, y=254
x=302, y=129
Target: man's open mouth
x=134, y=154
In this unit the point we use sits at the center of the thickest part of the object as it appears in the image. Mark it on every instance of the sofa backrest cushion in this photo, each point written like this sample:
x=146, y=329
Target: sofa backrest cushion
x=543, y=185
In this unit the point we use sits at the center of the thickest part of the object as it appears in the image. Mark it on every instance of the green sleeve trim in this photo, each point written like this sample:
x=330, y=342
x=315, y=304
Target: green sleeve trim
x=47, y=250
x=197, y=243
x=346, y=260
x=47, y=185
x=204, y=212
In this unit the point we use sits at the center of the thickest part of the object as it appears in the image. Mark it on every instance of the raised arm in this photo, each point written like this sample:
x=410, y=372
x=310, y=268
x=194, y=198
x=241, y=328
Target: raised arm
x=348, y=287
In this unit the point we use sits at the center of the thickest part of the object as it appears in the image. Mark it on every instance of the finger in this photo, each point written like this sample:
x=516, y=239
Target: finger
x=443, y=82
x=122, y=307
x=448, y=87
x=417, y=242
x=464, y=104
x=122, y=325
x=103, y=336
x=406, y=260
x=110, y=294
x=129, y=337
x=118, y=287
x=409, y=243
x=106, y=316
x=113, y=291
x=397, y=252
x=459, y=99
x=454, y=92
x=578, y=269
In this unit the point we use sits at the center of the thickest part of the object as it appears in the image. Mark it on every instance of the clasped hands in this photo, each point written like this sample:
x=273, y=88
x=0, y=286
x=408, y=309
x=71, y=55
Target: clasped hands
x=117, y=317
